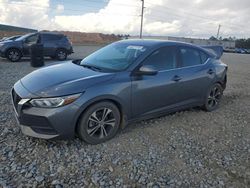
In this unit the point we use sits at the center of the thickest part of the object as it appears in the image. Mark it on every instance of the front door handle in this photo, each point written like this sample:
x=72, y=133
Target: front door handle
x=210, y=71
x=176, y=78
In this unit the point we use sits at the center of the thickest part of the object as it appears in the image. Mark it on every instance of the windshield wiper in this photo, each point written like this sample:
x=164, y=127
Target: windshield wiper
x=92, y=67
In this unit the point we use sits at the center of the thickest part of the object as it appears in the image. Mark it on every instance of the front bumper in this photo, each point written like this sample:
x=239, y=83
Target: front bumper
x=70, y=51
x=2, y=54
x=46, y=123
x=30, y=132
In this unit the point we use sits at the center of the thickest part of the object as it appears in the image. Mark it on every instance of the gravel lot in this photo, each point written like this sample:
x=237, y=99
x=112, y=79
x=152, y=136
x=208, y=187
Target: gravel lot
x=190, y=148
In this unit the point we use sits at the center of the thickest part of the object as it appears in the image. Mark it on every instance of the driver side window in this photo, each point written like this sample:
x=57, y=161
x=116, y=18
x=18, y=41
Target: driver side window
x=32, y=39
x=162, y=59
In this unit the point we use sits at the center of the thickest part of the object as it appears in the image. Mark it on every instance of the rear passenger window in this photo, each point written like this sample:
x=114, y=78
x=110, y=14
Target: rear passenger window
x=162, y=59
x=51, y=37
x=204, y=57
x=189, y=57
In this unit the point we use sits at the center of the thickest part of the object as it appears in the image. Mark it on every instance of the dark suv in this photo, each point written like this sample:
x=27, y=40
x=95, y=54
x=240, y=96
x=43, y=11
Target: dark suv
x=55, y=45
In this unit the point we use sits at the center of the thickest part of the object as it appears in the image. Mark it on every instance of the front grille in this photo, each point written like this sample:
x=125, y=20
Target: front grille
x=16, y=98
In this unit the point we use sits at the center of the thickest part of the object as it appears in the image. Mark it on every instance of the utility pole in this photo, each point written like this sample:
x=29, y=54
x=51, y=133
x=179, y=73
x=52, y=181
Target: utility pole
x=142, y=11
x=218, y=32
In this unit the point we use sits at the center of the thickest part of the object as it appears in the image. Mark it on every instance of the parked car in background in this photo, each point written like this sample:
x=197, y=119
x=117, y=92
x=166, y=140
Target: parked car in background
x=55, y=45
x=10, y=38
x=229, y=50
x=126, y=81
x=247, y=51
x=240, y=50
x=2, y=39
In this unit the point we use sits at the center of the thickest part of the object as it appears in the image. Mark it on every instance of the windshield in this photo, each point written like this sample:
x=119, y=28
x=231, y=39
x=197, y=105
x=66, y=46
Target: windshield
x=24, y=37
x=13, y=38
x=114, y=57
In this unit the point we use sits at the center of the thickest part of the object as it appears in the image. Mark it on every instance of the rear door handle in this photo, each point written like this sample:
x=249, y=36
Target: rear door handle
x=176, y=78
x=210, y=71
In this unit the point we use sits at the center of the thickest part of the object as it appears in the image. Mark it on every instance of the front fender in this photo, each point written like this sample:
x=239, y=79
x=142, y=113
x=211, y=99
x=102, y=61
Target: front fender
x=114, y=99
x=11, y=47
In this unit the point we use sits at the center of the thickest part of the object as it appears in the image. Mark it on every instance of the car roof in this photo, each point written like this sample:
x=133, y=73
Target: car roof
x=154, y=42
x=49, y=33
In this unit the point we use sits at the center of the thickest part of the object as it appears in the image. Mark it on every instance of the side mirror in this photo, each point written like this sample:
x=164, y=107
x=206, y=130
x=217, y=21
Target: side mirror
x=77, y=61
x=26, y=41
x=147, y=70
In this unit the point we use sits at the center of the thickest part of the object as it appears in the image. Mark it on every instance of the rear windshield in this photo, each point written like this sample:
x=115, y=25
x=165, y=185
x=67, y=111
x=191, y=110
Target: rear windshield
x=51, y=37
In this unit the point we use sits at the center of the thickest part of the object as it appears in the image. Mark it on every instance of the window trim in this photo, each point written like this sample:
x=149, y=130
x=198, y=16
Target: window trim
x=179, y=68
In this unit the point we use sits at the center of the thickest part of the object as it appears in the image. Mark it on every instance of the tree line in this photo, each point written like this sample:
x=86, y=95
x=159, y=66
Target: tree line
x=239, y=43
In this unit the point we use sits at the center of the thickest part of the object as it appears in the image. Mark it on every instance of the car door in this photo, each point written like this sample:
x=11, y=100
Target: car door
x=156, y=92
x=196, y=74
x=49, y=42
x=30, y=40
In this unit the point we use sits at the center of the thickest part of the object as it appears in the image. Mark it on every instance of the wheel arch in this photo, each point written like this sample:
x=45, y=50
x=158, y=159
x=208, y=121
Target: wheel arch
x=13, y=47
x=61, y=48
x=111, y=99
x=56, y=53
x=222, y=81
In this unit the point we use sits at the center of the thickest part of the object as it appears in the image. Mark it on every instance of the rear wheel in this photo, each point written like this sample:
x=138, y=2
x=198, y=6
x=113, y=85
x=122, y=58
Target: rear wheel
x=99, y=123
x=13, y=55
x=213, y=98
x=61, y=54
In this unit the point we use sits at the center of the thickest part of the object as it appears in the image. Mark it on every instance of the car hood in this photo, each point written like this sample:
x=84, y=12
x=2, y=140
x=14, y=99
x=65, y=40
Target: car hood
x=9, y=42
x=62, y=79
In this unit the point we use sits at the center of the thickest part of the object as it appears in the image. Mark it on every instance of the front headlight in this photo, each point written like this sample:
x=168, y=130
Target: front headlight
x=54, y=102
x=1, y=44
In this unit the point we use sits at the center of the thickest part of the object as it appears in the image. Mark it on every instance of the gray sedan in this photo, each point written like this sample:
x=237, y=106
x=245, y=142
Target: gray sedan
x=126, y=81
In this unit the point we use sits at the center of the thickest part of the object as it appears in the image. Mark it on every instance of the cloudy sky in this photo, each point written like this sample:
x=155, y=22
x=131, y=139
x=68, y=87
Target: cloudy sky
x=188, y=18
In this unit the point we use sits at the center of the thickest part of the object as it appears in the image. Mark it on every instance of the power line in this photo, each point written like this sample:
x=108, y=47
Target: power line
x=184, y=12
x=150, y=17
x=66, y=9
x=98, y=2
x=170, y=9
x=194, y=16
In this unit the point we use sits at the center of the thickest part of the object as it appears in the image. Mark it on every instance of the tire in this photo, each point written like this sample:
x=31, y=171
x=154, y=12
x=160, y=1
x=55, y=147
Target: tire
x=61, y=54
x=14, y=55
x=92, y=127
x=213, y=98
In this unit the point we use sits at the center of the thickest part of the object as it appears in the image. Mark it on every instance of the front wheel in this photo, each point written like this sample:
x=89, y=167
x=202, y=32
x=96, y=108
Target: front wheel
x=13, y=55
x=213, y=98
x=99, y=123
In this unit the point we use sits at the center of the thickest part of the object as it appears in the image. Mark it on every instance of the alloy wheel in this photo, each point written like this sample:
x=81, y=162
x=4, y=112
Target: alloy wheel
x=61, y=55
x=101, y=123
x=14, y=55
x=214, y=96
